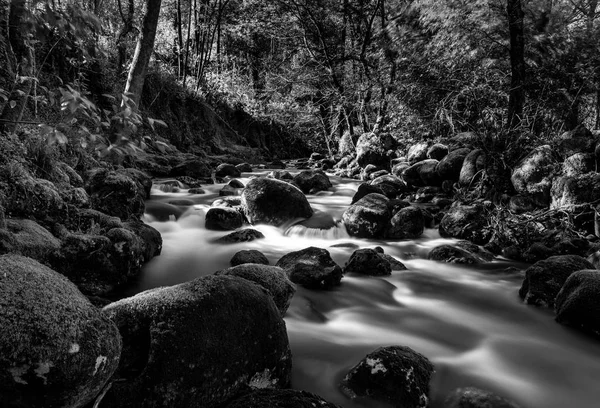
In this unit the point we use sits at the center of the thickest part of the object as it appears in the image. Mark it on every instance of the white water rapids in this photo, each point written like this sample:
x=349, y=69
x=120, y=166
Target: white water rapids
x=468, y=320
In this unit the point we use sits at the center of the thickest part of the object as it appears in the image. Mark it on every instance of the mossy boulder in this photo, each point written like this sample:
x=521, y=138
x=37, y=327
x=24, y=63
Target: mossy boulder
x=573, y=193
x=272, y=278
x=237, y=340
x=578, y=302
x=368, y=217
x=466, y=221
x=407, y=223
x=534, y=174
x=450, y=166
x=472, y=168
x=312, y=181
x=249, y=256
x=396, y=375
x=544, y=279
x=28, y=238
x=273, y=202
x=56, y=349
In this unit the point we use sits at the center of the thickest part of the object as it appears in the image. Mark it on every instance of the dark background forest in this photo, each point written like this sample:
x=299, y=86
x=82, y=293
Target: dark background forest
x=289, y=77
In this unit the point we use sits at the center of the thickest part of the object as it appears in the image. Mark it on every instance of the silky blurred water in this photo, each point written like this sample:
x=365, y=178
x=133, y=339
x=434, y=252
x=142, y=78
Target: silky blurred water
x=468, y=320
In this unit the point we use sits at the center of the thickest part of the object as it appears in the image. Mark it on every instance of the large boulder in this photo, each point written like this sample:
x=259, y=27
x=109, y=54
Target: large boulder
x=269, y=398
x=417, y=152
x=570, y=193
x=407, y=223
x=312, y=268
x=223, y=219
x=578, y=140
x=368, y=262
x=544, y=279
x=466, y=222
x=392, y=185
x=56, y=349
x=249, y=256
x=274, y=202
x=366, y=188
x=368, y=217
x=472, y=397
x=227, y=170
x=472, y=167
x=423, y=173
x=27, y=238
x=450, y=166
x=272, y=278
x=371, y=148
x=31, y=197
x=534, y=174
x=197, y=344
x=116, y=193
x=312, y=181
x=396, y=375
x=578, y=302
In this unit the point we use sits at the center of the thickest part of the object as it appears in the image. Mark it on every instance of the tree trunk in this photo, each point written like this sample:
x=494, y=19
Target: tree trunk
x=516, y=98
x=18, y=49
x=178, y=24
x=143, y=51
x=125, y=31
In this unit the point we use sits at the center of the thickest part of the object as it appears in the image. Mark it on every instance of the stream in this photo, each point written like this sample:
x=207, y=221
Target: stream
x=468, y=320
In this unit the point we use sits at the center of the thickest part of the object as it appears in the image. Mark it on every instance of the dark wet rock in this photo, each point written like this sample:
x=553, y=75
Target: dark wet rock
x=276, y=164
x=472, y=397
x=274, y=202
x=395, y=264
x=399, y=168
x=368, y=217
x=192, y=167
x=56, y=348
x=27, y=238
x=544, y=279
x=312, y=181
x=393, y=184
x=319, y=220
x=569, y=193
x=578, y=164
x=534, y=174
x=280, y=175
x=466, y=222
x=365, y=189
x=272, y=278
x=578, y=140
x=269, y=398
x=422, y=173
x=377, y=174
x=407, y=223
x=116, y=193
x=476, y=250
x=472, y=168
x=521, y=204
x=449, y=167
x=396, y=375
x=368, y=262
x=245, y=235
x=196, y=190
x=248, y=256
x=227, y=170
x=235, y=183
x=417, y=152
x=228, y=190
x=312, y=268
x=227, y=201
x=238, y=340
x=442, y=202
x=244, y=168
x=438, y=151
x=142, y=180
x=223, y=219
x=578, y=302
x=163, y=211
x=189, y=182
x=366, y=172
x=453, y=254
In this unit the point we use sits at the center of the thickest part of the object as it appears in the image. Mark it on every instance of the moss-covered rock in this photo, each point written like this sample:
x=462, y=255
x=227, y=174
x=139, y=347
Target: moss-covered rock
x=273, y=202
x=407, y=223
x=368, y=217
x=28, y=238
x=197, y=344
x=578, y=302
x=116, y=193
x=396, y=375
x=534, y=174
x=56, y=348
x=466, y=222
x=272, y=278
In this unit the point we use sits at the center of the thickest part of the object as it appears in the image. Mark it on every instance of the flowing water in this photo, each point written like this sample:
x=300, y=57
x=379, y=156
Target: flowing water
x=468, y=320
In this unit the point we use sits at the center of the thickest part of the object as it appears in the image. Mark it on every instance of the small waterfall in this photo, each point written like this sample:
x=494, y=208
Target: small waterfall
x=169, y=186
x=336, y=232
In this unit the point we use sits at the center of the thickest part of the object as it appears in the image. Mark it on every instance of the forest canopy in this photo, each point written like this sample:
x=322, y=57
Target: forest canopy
x=319, y=68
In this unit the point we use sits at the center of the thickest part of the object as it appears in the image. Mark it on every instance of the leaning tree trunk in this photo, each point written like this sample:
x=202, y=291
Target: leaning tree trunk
x=143, y=51
x=516, y=98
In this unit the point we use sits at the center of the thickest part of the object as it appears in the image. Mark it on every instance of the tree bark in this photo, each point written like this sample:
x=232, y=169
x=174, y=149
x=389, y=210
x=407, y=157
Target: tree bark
x=516, y=98
x=143, y=52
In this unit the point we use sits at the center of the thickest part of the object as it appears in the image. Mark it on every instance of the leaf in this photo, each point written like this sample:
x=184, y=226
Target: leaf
x=12, y=104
